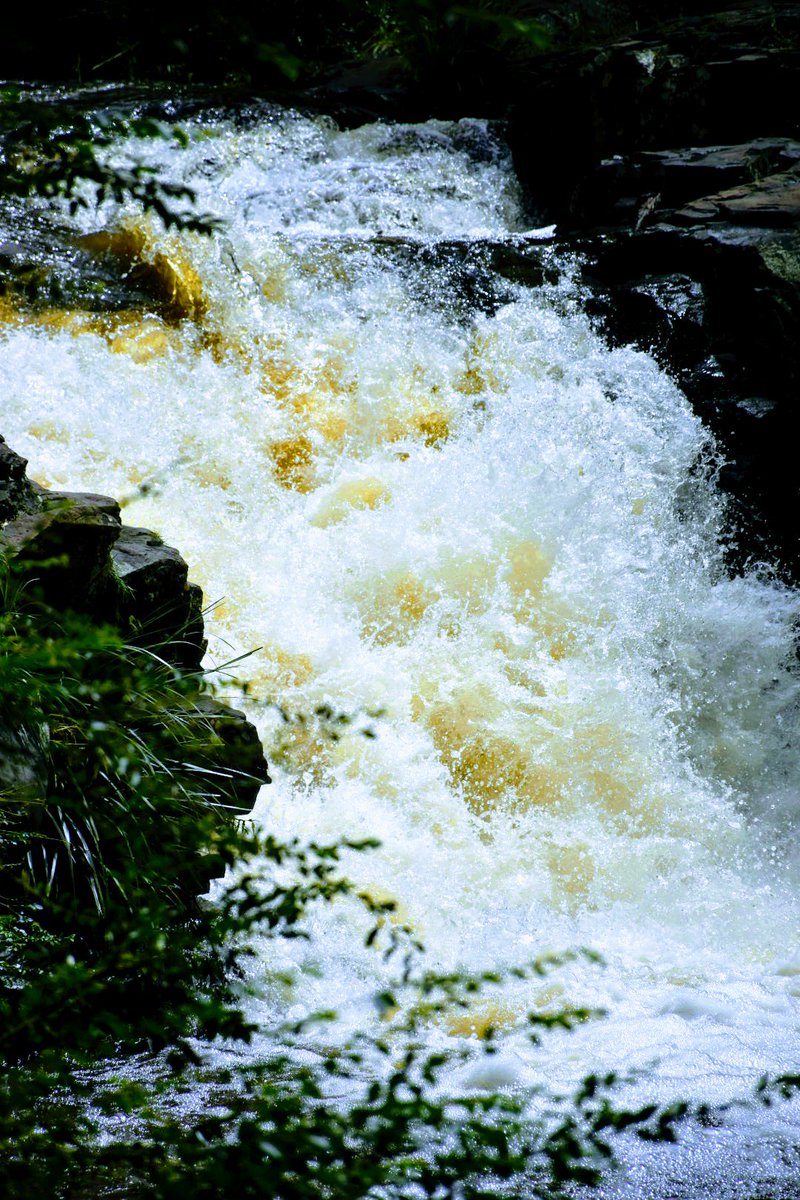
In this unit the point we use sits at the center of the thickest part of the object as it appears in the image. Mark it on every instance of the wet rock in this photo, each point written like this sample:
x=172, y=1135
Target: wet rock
x=770, y=202
x=229, y=759
x=672, y=162
x=67, y=546
x=172, y=284
x=719, y=305
x=479, y=140
x=79, y=557
x=43, y=267
x=468, y=275
x=161, y=606
x=23, y=763
x=17, y=494
x=632, y=190
x=711, y=80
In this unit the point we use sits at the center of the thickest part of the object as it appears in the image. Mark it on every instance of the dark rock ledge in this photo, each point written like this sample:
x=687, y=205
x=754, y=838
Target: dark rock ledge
x=90, y=563
x=672, y=163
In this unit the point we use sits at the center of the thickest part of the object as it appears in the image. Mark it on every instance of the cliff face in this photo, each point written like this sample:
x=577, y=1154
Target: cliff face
x=74, y=556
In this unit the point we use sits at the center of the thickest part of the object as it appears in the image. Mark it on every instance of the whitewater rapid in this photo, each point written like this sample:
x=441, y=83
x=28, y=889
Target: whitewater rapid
x=475, y=557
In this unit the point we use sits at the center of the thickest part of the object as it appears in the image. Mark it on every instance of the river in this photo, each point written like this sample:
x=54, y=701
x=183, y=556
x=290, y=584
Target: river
x=476, y=557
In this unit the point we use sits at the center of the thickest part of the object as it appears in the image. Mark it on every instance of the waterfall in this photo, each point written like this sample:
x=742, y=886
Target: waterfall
x=474, y=555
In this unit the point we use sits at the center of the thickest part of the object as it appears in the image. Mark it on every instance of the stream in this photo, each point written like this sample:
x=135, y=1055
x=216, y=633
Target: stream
x=475, y=559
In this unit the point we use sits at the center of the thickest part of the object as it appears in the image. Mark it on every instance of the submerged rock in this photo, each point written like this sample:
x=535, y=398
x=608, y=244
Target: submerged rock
x=170, y=281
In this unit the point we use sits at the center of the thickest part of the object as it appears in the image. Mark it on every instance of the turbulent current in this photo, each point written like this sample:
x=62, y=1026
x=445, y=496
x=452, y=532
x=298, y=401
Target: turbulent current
x=475, y=557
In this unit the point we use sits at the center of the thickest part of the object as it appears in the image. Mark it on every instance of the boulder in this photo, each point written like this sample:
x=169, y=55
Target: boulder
x=78, y=556
x=228, y=759
x=17, y=494
x=67, y=545
x=163, y=610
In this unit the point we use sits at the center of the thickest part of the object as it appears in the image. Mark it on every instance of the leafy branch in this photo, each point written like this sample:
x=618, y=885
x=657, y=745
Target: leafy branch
x=51, y=150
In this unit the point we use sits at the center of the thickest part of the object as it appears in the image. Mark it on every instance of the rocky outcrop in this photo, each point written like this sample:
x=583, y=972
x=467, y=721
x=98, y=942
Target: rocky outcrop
x=67, y=541
x=76, y=555
x=17, y=494
x=711, y=79
x=672, y=163
x=84, y=559
x=719, y=306
x=157, y=601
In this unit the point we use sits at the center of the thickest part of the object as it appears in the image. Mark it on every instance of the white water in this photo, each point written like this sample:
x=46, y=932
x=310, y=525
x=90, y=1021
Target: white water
x=484, y=538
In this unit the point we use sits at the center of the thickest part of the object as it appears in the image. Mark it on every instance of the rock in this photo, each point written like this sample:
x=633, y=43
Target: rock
x=169, y=280
x=229, y=755
x=615, y=192
x=162, y=608
x=23, y=763
x=774, y=201
x=469, y=272
x=672, y=163
x=80, y=553
x=59, y=501
x=82, y=558
x=17, y=494
x=709, y=80
x=719, y=306
x=67, y=545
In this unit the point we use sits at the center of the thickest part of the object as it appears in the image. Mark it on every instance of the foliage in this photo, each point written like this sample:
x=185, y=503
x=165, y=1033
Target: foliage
x=53, y=149
x=270, y=44
x=436, y=37
x=187, y=41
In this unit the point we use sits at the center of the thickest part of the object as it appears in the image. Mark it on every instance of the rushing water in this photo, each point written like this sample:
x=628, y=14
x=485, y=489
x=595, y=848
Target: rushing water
x=482, y=549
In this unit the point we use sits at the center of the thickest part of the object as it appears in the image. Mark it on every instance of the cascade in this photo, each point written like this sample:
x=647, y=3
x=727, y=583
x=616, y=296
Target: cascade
x=475, y=557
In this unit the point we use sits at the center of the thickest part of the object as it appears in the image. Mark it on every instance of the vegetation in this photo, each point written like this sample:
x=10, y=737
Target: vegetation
x=52, y=148
x=267, y=45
